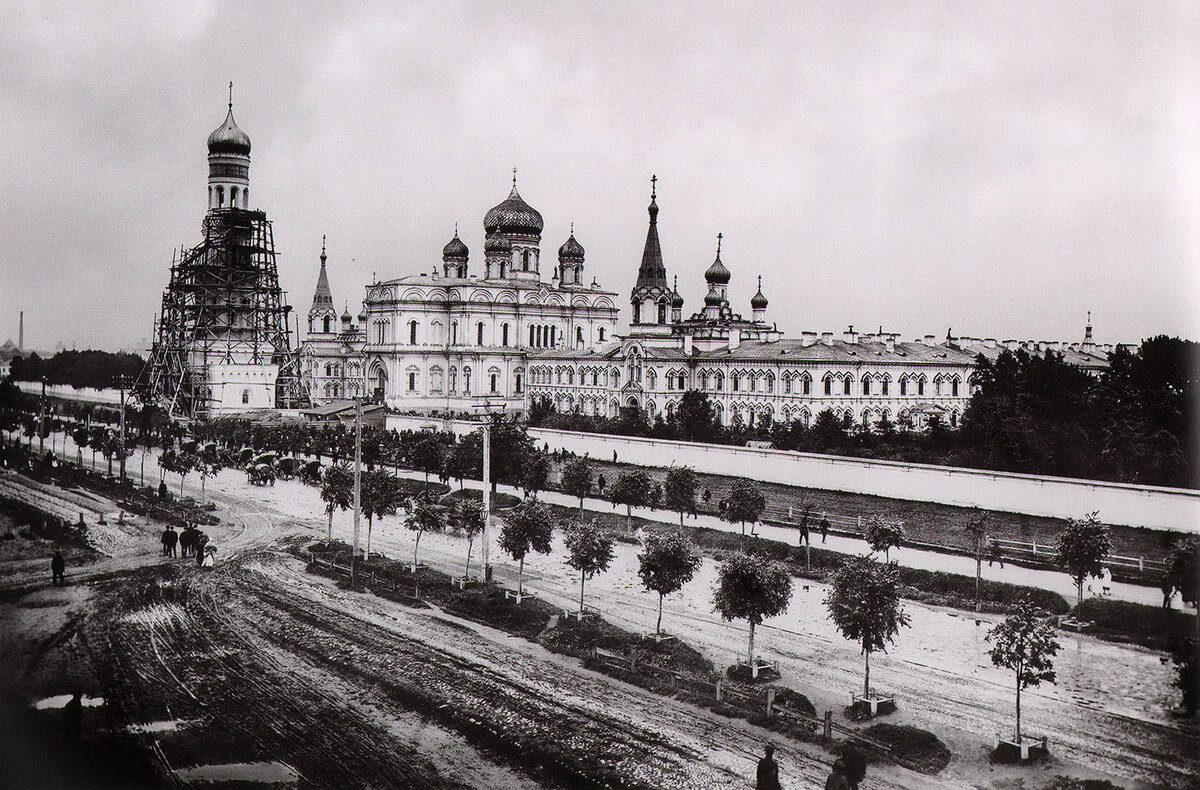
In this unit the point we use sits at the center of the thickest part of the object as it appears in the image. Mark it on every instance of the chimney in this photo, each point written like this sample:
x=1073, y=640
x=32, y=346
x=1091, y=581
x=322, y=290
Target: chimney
x=21, y=334
x=850, y=335
x=890, y=340
x=827, y=338
x=989, y=342
x=807, y=338
x=929, y=341
x=735, y=339
x=687, y=344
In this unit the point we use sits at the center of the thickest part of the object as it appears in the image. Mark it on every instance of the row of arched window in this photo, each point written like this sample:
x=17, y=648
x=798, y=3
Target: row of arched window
x=237, y=199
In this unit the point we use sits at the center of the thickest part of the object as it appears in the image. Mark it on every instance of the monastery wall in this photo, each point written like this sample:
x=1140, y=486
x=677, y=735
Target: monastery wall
x=1171, y=509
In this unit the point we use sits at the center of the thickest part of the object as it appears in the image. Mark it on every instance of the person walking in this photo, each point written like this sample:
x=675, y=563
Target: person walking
x=58, y=569
x=824, y=528
x=855, y=763
x=172, y=539
x=767, y=776
x=165, y=540
x=837, y=777
x=198, y=546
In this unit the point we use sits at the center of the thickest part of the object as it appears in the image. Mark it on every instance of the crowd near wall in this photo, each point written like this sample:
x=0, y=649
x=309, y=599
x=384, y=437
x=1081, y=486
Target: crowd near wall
x=67, y=392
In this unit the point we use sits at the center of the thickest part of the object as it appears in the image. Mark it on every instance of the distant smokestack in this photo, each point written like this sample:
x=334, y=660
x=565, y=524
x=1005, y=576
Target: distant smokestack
x=21, y=334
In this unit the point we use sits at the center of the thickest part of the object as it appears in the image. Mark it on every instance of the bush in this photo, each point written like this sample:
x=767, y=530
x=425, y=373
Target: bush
x=1149, y=626
x=917, y=749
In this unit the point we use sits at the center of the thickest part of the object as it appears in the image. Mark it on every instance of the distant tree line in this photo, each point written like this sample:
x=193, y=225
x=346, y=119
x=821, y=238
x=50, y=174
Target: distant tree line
x=1032, y=414
x=97, y=369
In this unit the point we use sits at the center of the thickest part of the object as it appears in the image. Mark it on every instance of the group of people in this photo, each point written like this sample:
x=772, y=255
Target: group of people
x=848, y=770
x=192, y=542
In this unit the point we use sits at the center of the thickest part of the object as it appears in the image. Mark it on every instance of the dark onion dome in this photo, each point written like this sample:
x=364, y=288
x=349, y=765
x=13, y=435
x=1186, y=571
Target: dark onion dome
x=676, y=299
x=455, y=249
x=713, y=298
x=346, y=318
x=758, y=301
x=362, y=317
x=717, y=274
x=228, y=138
x=497, y=244
x=513, y=215
x=571, y=250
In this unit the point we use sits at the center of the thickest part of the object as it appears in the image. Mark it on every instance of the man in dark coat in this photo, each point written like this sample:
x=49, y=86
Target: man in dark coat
x=165, y=540
x=767, y=777
x=855, y=763
x=172, y=538
x=837, y=777
x=200, y=542
x=58, y=568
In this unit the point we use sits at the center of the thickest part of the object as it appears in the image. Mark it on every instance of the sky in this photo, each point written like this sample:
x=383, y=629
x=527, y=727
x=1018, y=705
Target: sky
x=994, y=169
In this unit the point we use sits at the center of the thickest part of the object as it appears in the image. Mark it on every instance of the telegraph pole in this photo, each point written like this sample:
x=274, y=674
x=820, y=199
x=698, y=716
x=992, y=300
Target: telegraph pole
x=121, y=382
x=487, y=497
x=42, y=421
x=357, y=486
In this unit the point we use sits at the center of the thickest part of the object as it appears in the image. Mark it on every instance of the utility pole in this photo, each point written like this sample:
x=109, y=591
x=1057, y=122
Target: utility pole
x=121, y=382
x=42, y=422
x=487, y=497
x=357, y=487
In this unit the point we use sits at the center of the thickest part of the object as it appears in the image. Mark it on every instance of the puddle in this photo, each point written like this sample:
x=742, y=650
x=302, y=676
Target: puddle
x=52, y=703
x=266, y=773
x=157, y=726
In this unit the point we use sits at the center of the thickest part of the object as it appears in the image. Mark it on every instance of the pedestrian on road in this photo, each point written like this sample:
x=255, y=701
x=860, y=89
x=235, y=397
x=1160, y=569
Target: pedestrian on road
x=163, y=493
x=837, y=778
x=995, y=554
x=172, y=540
x=58, y=569
x=804, y=530
x=600, y=483
x=1168, y=591
x=767, y=777
x=614, y=456
x=201, y=542
x=856, y=765
x=824, y=528
x=707, y=495
x=164, y=540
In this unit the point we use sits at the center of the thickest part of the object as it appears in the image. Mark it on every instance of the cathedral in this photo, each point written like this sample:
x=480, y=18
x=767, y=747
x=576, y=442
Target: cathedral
x=452, y=341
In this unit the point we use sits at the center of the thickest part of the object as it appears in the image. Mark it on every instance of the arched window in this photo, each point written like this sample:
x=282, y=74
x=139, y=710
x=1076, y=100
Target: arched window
x=246, y=197
x=220, y=197
x=327, y=324
x=412, y=381
x=921, y=385
x=637, y=312
x=770, y=382
x=735, y=382
x=532, y=335
x=903, y=385
x=494, y=378
x=828, y=384
x=233, y=197
x=720, y=381
x=479, y=334
x=412, y=333
x=570, y=376
x=245, y=393
x=328, y=368
x=517, y=388
x=435, y=379
x=466, y=381
x=595, y=378
x=453, y=379
x=846, y=386
x=525, y=262
x=806, y=384
x=650, y=379
x=601, y=334
x=454, y=333
x=884, y=385
x=954, y=386
x=866, y=385
x=662, y=311
x=579, y=336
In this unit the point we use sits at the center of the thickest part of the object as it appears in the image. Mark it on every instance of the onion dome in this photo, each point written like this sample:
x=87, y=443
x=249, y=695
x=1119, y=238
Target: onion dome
x=758, y=301
x=362, y=316
x=713, y=298
x=228, y=138
x=717, y=274
x=513, y=215
x=497, y=244
x=571, y=250
x=676, y=297
x=455, y=249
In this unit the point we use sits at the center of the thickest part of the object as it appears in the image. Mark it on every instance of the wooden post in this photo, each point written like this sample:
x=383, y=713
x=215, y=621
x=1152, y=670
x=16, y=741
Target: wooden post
x=829, y=725
x=770, y=702
x=633, y=663
x=720, y=689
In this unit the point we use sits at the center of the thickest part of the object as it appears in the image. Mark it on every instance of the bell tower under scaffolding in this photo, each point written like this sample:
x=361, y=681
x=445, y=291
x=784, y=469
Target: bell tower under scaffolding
x=222, y=342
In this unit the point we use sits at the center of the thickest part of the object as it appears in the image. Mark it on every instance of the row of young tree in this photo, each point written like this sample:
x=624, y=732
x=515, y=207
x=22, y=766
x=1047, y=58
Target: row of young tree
x=1032, y=413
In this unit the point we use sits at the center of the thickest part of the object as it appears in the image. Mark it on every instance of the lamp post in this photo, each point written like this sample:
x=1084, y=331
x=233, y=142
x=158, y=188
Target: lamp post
x=122, y=382
x=357, y=487
x=486, y=428
x=42, y=421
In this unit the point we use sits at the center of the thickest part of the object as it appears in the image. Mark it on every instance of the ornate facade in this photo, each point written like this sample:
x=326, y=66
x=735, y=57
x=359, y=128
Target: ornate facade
x=331, y=359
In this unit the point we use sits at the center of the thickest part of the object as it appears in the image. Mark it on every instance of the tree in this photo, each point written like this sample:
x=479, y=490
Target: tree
x=577, y=480
x=81, y=439
x=745, y=503
x=1187, y=672
x=379, y=496
x=469, y=517
x=752, y=589
x=178, y=461
x=864, y=603
x=337, y=492
x=883, y=534
x=1025, y=644
x=1082, y=549
x=527, y=527
x=695, y=416
x=427, y=455
x=589, y=551
x=632, y=489
x=536, y=472
x=1183, y=570
x=667, y=563
x=680, y=490
x=424, y=517
x=976, y=532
